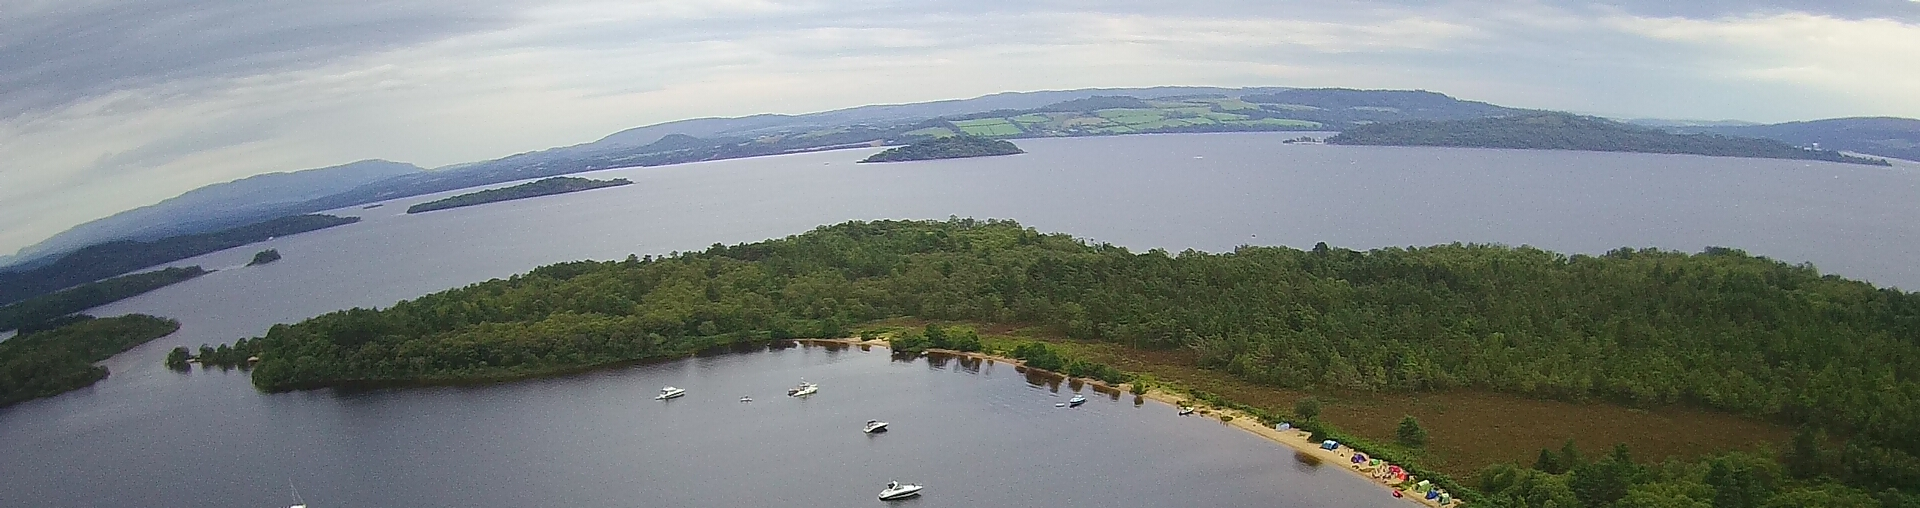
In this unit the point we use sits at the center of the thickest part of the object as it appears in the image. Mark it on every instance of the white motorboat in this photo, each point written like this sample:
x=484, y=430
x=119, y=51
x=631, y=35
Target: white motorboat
x=803, y=390
x=897, y=490
x=744, y=398
x=670, y=392
x=874, y=426
x=1077, y=400
x=1185, y=410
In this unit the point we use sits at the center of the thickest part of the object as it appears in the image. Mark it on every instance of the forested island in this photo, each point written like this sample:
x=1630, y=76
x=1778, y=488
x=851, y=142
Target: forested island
x=46, y=311
x=114, y=258
x=534, y=189
x=950, y=147
x=1564, y=131
x=1719, y=329
x=264, y=257
x=47, y=363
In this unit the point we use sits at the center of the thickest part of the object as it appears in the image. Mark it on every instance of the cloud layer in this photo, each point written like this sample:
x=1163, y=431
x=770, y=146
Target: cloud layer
x=111, y=105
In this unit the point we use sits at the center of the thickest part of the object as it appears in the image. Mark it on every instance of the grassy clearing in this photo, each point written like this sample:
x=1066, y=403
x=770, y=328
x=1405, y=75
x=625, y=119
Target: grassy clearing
x=989, y=127
x=1032, y=118
x=1226, y=117
x=1234, y=104
x=1381, y=109
x=1469, y=430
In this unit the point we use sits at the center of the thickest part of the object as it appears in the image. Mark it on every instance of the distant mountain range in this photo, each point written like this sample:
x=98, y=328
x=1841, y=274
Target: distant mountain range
x=1084, y=112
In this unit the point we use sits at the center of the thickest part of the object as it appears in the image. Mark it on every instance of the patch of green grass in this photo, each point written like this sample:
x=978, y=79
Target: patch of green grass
x=1190, y=110
x=988, y=127
x=1032, y=118
x=1381, y=109
x=1225, y=117
x=1234, y=104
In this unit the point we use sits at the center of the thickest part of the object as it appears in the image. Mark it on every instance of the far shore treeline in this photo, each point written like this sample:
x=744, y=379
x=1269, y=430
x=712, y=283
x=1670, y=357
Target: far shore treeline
x=543, y=187
x=1720, y=329
x=1545, y=130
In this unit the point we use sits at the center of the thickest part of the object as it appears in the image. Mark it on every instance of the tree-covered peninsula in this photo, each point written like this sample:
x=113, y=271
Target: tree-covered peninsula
x=1719, y=329
x=534, y=189
x=1563, y=131
x=950, y=147
x=45, y=311
x=47, y=363
x=114, y=258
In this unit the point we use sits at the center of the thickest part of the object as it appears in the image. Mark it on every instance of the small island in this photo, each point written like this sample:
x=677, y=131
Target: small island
x=951, y=147
x=543, y=187
x=264, y=257
x=1564, y=131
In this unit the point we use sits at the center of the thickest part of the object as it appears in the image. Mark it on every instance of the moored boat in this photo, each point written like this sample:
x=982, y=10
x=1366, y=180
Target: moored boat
x=1076, y=401
x=803, y=390
x=670, y=392
x=874, y=426
x=897, y=490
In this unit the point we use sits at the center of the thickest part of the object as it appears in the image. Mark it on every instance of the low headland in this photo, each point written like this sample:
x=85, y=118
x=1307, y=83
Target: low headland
x=1565, y=131
x=1717, y=334
x=949, y=147
x=534, y=189
x=50, y=362
x=114, y=258
x=49, y=311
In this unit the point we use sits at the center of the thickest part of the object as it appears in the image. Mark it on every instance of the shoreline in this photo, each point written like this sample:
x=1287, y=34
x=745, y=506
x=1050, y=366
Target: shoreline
x=1294, y=439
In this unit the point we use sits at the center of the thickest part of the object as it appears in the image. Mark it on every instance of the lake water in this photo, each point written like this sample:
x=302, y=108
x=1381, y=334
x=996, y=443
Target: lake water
x=147, y=435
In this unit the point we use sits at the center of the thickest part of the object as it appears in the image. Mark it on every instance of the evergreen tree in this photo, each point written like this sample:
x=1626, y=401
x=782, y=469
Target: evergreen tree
x=1803, y=457
x=1410, y=434
x=1549, y=463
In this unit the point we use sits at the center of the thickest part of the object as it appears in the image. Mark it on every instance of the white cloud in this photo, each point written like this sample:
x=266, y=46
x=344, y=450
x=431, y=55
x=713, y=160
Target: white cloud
x=1871, y=62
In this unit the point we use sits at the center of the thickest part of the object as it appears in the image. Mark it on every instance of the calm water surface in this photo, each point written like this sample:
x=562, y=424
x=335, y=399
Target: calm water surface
x=150, y=436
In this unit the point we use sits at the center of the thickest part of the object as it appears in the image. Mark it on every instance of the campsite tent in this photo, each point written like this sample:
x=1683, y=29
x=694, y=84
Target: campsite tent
x=1329, y=445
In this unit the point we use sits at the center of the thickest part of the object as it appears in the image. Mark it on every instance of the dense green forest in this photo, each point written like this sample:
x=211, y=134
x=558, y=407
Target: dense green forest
x=264, y=257
x=1720, y=329
x=950, y=147
x=534, y=189
x=113, y=258
x=35, y=313
x=47, y=363
x=1563, y=131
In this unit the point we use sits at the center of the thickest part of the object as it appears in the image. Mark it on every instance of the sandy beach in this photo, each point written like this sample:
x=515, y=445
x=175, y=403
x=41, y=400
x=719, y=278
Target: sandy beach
x=1295, y=439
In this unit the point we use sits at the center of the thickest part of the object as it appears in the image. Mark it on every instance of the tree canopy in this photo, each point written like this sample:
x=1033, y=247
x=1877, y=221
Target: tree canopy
x=1565, y=131
x=47, y=363
x=534, y=189
x=950, y=147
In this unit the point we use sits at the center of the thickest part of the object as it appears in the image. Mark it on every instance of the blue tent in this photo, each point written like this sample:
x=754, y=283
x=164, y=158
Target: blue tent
x=1330, y=445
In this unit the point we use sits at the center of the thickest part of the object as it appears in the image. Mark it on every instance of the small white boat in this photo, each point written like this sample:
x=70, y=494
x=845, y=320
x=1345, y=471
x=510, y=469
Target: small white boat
x=297, y=503
x=1184, y=410
x=874, y=426
x=1077, y=400
x=1059, y=404
x=897, y=490
x=670, y=392
x=744, y=398
x=803, y=390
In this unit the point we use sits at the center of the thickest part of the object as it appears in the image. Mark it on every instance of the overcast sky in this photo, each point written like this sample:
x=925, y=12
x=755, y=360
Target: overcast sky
x=109, y=105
